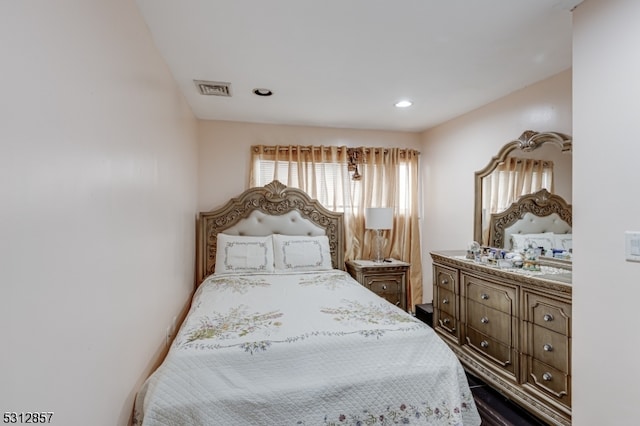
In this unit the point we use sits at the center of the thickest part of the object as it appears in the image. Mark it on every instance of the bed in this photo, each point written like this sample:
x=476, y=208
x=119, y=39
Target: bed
x=279, y=334
x=540, y=219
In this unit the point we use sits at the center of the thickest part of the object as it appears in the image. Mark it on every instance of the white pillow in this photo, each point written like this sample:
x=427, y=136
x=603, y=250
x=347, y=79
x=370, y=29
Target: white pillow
x=563, y=241
x=244, y=254
x=301, y=253
x=520, y=242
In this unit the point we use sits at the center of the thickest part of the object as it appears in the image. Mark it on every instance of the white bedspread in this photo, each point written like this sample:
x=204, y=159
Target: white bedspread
x=303, y=349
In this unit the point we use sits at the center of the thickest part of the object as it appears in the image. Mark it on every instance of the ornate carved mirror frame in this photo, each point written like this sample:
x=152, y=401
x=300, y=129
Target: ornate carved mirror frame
x=528, y=141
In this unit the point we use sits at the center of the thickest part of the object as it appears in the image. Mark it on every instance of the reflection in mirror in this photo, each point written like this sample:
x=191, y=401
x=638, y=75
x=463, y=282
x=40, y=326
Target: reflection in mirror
x=523, y=166
x=541, y=218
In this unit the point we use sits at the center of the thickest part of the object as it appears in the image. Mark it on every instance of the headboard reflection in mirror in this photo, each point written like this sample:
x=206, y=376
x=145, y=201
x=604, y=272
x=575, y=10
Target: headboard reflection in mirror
x=541, y=220
x=533, y=162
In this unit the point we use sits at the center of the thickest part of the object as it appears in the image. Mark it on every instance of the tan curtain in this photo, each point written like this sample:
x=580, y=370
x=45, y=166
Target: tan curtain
x=512, y=179
x=322, y=172
x=389, y=178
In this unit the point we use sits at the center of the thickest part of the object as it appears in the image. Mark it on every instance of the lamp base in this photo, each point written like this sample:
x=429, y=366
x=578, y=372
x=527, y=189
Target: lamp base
x=379, y=246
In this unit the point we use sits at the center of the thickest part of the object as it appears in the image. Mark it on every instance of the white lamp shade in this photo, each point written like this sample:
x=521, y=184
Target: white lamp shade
x=378, y=218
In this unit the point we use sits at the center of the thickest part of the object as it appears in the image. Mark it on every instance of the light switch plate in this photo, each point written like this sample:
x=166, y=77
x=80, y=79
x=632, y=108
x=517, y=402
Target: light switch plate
x=632, y=246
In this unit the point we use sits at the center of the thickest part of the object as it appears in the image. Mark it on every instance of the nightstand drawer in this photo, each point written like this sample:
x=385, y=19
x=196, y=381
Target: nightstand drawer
x=384, y=285
x=389, y=287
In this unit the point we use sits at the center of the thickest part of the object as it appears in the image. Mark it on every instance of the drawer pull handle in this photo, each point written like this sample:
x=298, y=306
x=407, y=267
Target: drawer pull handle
x=547, y=377
x=547, y=317
x=384, y=286
x=444, y=281
x=484, y=296
x=484, y=344
x=445, y=301
x=398, y=303
x=547, y=347
x=484, y=320
x=446, y=321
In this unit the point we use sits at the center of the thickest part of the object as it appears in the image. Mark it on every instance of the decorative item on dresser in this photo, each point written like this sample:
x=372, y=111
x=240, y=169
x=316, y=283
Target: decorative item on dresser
x=387, y=279
x=509, y=327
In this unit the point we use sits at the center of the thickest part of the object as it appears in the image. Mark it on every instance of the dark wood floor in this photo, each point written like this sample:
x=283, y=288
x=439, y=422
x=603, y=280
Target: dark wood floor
x=497, y=410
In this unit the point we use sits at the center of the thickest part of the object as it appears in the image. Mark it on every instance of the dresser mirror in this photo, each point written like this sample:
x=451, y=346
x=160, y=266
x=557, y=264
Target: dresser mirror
x=542, y=159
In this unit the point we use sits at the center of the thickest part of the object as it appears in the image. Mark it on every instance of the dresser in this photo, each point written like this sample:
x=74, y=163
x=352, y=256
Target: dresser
x=387, y=279
x=509, y=327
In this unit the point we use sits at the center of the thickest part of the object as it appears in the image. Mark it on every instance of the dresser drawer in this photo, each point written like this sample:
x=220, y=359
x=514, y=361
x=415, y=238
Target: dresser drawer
x=492, y=295
x=550, y=347
x=548, y=313
x=552, y=382
x=446, y=301
x=491, y=322
x=495, y=351
x=446, y=278
x=447, y=323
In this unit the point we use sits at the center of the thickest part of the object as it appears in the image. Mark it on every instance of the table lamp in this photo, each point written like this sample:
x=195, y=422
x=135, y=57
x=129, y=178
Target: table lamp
x=378, y=218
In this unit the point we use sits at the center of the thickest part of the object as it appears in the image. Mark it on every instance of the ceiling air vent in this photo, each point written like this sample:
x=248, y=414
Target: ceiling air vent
x=213, y=88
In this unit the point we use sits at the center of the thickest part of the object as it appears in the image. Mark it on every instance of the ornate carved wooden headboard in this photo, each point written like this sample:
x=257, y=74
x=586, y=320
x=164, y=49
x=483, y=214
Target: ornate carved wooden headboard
x=271, y=209
x=531, y=214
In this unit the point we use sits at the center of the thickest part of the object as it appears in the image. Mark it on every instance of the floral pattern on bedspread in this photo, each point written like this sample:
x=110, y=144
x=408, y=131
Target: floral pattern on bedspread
x=404, y=414
x=224, y=330
x=236, y=284
x=237, y=323
x=371, y=313
x=329, y=281
x=262, y=345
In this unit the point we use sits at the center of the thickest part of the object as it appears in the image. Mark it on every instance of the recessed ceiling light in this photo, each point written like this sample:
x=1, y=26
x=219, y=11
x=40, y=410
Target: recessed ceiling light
x=262, y=92
x=403, y=104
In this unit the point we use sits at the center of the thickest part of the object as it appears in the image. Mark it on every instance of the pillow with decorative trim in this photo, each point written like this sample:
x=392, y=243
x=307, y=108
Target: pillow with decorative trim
x=563, y=241
x=520, y=242
x=244, y=254
x=301, y=253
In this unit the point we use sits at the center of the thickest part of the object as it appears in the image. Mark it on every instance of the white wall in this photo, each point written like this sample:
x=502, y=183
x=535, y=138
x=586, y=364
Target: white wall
x=454, y=151
x=606, y=202
x=98, y=186
x=225, y=151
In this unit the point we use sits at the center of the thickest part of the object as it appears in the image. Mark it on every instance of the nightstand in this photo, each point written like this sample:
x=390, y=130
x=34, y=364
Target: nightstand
x=387, y=279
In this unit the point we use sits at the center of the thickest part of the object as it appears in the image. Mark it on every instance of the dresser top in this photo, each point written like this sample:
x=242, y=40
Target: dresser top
x=548, y=277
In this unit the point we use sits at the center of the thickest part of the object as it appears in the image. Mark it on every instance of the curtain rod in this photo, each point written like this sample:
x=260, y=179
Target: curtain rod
x=285, y=148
